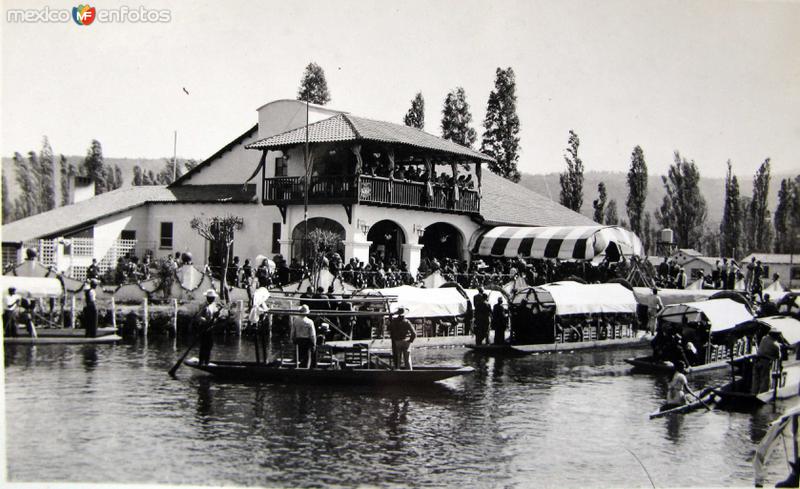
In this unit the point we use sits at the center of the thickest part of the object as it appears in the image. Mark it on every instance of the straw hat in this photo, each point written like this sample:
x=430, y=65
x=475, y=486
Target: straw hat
x=212, y=293
x=304, y=309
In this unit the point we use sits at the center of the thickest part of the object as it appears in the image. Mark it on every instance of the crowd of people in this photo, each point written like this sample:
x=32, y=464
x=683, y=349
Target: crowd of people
x=724, y=276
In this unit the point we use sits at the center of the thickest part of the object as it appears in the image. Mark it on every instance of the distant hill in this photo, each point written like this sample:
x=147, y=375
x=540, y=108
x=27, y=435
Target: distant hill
x=713, y=189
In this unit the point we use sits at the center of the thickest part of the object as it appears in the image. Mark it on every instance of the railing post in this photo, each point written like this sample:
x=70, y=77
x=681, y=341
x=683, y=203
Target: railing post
x=72, y=312
x=175, y=317
x=146, y=318
x=113, y=313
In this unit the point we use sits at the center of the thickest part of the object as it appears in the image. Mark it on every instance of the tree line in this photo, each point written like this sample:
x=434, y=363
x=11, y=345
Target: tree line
x=40, y=189
x=746, y=224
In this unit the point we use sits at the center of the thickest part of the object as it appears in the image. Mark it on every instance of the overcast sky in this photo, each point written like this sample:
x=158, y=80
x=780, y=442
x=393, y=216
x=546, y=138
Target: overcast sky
x=714, y=80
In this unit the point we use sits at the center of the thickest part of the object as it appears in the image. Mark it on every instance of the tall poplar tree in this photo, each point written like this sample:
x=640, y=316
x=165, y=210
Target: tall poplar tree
x=730, y=229
x=313, y=86
x=501, y=126
x=456, y=119
x=783, y=225
x=572, y=179
x=637, y=190
x=8, y=207
x=599, y=204
x=683, y=208
x=94, y=166
x=612, y=217
x=67, y=171
x=25, y=203
x=47, y=177
x=761, y=231
x=415, y=117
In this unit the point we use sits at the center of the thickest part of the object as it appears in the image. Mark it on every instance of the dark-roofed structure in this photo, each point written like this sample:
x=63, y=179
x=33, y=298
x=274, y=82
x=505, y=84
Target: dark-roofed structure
x=63, y=220
x=347, y=127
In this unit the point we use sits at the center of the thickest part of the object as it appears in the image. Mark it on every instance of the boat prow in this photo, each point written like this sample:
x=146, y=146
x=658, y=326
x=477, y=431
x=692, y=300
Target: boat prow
x=274, y=372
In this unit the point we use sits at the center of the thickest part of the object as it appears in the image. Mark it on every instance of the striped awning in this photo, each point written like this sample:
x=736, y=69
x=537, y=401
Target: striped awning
x=564, y=242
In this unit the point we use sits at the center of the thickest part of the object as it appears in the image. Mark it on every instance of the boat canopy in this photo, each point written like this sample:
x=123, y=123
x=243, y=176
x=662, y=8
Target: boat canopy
x=33, y=286
x=776, y=429
x=564, y=242
x=674, y=296
x=722, y=314
x=446, y=301
x=788, y=326
x=576, y=298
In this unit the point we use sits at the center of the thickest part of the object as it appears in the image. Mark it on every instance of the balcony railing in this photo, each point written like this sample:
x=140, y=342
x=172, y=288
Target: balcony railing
x=371, y=190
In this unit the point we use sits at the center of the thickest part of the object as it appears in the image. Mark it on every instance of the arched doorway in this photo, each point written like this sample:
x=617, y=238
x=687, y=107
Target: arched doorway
x=442, y=240
x=323, y=223
x=387, y=241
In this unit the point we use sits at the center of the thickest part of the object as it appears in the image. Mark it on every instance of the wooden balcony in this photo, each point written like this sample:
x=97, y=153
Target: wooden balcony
x=369, y=190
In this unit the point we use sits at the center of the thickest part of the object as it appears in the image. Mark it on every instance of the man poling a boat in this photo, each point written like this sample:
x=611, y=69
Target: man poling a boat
x=402, y=334
x=769, y=350
x=207, y=319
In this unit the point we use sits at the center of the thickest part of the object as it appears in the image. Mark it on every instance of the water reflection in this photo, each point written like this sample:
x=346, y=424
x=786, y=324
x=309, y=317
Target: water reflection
x=539, y=420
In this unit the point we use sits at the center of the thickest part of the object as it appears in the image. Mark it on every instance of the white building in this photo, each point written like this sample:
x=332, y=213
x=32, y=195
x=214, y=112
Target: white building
x=397, y=218
x=787, y=266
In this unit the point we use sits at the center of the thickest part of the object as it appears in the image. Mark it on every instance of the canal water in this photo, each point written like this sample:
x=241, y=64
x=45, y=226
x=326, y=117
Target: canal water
x=111, y=414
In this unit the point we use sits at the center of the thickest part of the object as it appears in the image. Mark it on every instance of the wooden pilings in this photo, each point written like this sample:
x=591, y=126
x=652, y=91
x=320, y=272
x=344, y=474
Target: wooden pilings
x=175, y=317
x=113, y=313
x=72, y=308
x=146, y=316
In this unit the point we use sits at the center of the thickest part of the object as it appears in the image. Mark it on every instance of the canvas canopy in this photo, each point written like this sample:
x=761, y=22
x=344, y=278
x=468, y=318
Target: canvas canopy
x=788, y=326
x=33, y=286
x=776, y=429
x=420, y=303
x=674, y=296
x=576, y=298
x=722, y=314
x=564, y=242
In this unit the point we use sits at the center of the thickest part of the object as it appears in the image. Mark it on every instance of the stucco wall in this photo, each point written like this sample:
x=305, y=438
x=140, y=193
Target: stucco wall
x=232, y=167
x=253, y=239
x=284, y=115
x=108, y=230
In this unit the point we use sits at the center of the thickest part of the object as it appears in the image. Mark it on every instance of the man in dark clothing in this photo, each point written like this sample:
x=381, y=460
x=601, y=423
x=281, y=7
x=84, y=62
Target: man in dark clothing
x=768, y=308
x=483, y=316
x=402, y=333
x=499, y=322
x=90, y=310
x=93, y=271
x=206, y=319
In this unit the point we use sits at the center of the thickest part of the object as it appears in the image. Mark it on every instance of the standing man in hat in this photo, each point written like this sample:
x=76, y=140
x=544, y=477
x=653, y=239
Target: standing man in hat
x=12, y=304
x=304, y=336
x=402, y=333
x=207, y=319
x=90, y=309
x=769, y=351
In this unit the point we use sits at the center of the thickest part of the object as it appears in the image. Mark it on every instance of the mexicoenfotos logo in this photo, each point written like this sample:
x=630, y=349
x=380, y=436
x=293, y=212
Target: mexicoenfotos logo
x=83, y=14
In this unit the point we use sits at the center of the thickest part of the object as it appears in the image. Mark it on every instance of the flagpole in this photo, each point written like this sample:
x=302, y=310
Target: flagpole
x=305, y=191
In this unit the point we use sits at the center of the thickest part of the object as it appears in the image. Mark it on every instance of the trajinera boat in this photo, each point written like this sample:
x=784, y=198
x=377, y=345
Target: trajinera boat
x=348, y=365
x=30, y=322
x=779, y=379
x=566, y=316
x=694, y=333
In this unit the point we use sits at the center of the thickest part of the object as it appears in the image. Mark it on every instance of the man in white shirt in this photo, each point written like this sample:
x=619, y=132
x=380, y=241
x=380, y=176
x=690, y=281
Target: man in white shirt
x=12, y=303
x=304, y=336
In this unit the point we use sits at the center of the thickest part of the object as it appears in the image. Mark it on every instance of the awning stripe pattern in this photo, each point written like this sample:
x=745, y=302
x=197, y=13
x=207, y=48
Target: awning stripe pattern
x=564, y=242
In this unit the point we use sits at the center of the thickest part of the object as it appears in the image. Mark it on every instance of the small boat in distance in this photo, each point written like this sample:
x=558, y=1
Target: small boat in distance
x=65, y=336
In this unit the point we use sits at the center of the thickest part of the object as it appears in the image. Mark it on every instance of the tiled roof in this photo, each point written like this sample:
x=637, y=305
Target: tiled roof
x=347, y=127
x=506, y=203
x=88, y=211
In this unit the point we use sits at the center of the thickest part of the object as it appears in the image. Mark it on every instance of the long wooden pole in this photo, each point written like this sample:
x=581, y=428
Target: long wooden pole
x=113, y=313
x=146, y=316
x=175, y=317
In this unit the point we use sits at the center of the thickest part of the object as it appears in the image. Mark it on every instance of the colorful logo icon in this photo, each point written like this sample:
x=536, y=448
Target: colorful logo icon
x=83, y=14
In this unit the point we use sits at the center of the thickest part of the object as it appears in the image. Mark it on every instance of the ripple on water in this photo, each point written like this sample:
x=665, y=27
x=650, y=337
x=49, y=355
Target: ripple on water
x=110, y=414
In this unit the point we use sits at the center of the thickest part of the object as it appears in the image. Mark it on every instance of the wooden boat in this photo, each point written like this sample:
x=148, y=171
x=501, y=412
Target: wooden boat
x=551, y=318
x=704, y=400
x=713, y=319
x=64, y=337
x=278, y=372
x=780, y=431
x=568, y=346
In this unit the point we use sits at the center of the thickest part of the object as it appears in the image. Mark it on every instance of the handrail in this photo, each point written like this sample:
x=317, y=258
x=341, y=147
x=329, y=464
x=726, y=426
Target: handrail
x=372, y=190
